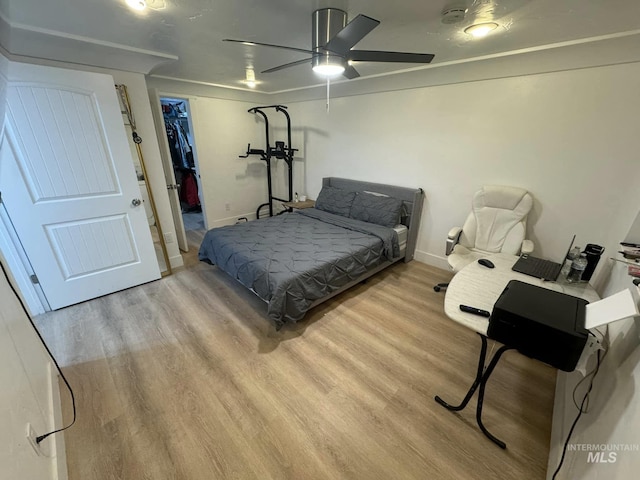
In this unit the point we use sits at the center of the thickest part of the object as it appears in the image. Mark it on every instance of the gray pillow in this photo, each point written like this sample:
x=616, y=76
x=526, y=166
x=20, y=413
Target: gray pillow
x=377, y=209
x=335, y=200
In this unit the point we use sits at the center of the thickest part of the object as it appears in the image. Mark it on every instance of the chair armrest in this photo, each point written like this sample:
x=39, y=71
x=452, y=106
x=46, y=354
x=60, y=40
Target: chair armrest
x=452, y=239
x=527, y=246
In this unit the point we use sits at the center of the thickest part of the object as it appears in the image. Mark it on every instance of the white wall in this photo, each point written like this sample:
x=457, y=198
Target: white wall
x=568, y=137
x=25, y=378
x=25, y=398
x=614, y=414
x=222, y=130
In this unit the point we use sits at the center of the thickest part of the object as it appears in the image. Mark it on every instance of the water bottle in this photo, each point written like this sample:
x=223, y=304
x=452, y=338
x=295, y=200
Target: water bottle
x=571, y=256
x=577, y=268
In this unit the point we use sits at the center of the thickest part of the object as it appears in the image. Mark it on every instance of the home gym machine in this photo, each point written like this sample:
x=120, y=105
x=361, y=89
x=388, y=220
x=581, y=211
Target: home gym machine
x=280, y=151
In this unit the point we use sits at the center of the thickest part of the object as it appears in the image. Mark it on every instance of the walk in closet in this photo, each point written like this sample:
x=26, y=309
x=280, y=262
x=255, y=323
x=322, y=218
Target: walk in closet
x=175, y=113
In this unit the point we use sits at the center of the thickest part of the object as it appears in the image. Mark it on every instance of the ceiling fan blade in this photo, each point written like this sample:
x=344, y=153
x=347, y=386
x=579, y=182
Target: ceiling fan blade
x=377, y=56
x=248, y=42
x=350, y=72
x=351, y=34
x=287, y=65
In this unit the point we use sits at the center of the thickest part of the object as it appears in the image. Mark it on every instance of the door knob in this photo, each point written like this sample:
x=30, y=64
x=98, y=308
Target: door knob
x=136, y=202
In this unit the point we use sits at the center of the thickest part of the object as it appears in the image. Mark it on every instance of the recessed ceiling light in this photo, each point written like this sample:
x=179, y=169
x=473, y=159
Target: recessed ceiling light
x=250, y=78
x=480, y=29
x=137, y=4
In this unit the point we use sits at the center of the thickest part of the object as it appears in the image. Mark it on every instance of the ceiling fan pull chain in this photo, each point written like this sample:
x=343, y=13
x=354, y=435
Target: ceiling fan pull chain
x=328, y=81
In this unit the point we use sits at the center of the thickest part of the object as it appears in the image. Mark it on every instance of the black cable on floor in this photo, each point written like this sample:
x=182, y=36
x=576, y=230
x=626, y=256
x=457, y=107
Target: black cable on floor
x=26, y=312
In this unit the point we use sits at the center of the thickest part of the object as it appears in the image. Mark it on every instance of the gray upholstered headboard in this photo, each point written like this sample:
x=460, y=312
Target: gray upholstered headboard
x=412, y=199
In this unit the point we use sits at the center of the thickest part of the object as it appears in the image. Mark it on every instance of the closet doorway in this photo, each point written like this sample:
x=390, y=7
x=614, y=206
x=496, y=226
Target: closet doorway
x=187, y=197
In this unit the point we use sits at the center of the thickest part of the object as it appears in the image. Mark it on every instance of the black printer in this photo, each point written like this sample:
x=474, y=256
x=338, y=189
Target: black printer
x=540, y=323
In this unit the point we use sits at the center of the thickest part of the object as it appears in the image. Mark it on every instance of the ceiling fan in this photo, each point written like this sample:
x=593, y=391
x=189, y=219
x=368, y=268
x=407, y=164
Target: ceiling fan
x=332, y=39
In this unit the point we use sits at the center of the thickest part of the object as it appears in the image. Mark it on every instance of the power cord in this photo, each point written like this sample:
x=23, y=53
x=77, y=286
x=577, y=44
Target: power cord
x=573, y=426
x=586, y=377
x=40, y=438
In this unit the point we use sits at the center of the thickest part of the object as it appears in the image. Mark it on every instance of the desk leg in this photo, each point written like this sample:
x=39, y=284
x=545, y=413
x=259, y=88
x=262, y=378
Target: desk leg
x=476, y=382
x=482, y=376
x=483, y=384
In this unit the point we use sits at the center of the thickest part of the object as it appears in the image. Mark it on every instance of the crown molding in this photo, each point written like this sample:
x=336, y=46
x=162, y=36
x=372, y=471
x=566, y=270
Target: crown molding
x=33, y=42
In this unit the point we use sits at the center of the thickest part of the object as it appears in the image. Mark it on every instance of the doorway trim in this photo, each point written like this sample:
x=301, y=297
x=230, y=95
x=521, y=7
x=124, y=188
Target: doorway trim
x=123, y=93
x=166, y=159
x=17, y=264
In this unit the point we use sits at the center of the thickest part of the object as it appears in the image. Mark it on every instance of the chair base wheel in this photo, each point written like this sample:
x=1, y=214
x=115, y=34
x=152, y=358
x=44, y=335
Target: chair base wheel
x=440, y=286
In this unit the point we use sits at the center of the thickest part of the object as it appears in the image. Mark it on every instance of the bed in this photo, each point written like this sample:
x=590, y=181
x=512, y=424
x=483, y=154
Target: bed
x=297, y=260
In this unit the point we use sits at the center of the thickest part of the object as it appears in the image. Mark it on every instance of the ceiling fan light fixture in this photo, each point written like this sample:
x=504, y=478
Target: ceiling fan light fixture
x=328, y=69
x=328, y=65
x=327, y=22
x=479, y=30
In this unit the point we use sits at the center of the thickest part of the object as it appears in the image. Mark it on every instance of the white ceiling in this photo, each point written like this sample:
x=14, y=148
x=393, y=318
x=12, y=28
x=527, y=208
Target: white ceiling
x=182, y=39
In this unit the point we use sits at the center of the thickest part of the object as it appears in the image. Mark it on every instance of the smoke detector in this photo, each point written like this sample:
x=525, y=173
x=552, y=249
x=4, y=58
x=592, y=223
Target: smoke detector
x=452, y=15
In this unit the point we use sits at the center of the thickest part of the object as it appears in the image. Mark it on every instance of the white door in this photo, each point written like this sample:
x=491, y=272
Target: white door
x=170, y=177
x=69, y=185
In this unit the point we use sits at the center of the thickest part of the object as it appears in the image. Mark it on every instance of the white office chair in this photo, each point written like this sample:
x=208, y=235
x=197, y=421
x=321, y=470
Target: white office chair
x=497, y=223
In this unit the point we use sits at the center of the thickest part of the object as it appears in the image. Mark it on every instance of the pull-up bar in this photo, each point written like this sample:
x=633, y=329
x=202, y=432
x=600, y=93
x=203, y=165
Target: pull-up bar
x=280, y=151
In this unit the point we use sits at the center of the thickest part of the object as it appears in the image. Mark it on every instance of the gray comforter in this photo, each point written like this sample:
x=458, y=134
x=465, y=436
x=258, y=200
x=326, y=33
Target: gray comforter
x=293, y=259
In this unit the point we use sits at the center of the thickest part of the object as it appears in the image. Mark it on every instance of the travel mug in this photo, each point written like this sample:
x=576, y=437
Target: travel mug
x=594, y=252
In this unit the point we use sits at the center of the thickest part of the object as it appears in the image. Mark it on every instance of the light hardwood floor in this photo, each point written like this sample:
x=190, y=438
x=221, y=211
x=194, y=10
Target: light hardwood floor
x=184, y=378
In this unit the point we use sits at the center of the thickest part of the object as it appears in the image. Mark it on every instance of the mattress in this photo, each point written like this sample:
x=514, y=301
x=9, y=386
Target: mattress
x=402, y=232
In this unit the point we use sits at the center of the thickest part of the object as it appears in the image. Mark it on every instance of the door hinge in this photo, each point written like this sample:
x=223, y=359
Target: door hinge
x=34, y=279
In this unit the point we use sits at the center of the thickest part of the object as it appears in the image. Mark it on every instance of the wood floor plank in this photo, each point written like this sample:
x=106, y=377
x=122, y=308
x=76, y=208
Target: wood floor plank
x=185, y=378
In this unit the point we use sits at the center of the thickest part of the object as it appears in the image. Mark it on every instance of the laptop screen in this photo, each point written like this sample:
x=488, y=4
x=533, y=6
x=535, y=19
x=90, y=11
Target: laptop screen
x=568, y=250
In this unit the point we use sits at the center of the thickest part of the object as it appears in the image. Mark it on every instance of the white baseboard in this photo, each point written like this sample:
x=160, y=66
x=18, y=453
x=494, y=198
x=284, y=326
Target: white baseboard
x=558, y=430
x=232, y=220
x=431, y=259
x=176, y=261
x=59, y=453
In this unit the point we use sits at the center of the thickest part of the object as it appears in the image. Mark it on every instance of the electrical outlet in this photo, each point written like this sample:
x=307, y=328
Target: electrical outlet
x=593, y=344
x=227, y=206
x=168, y=237
x=31, y=436
x=42, y=449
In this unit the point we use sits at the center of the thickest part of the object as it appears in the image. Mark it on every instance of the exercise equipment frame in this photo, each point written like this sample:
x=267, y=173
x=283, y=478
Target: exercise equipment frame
x=279, y=151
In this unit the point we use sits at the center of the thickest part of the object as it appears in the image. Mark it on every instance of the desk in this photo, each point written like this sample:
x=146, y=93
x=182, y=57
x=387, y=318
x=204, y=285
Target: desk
x=480, y=287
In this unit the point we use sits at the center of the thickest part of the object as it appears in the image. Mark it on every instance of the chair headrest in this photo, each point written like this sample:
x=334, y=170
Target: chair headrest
x=505, y=197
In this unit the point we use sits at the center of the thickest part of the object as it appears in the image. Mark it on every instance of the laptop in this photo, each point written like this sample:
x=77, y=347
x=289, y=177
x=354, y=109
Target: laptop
x=539, y=267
